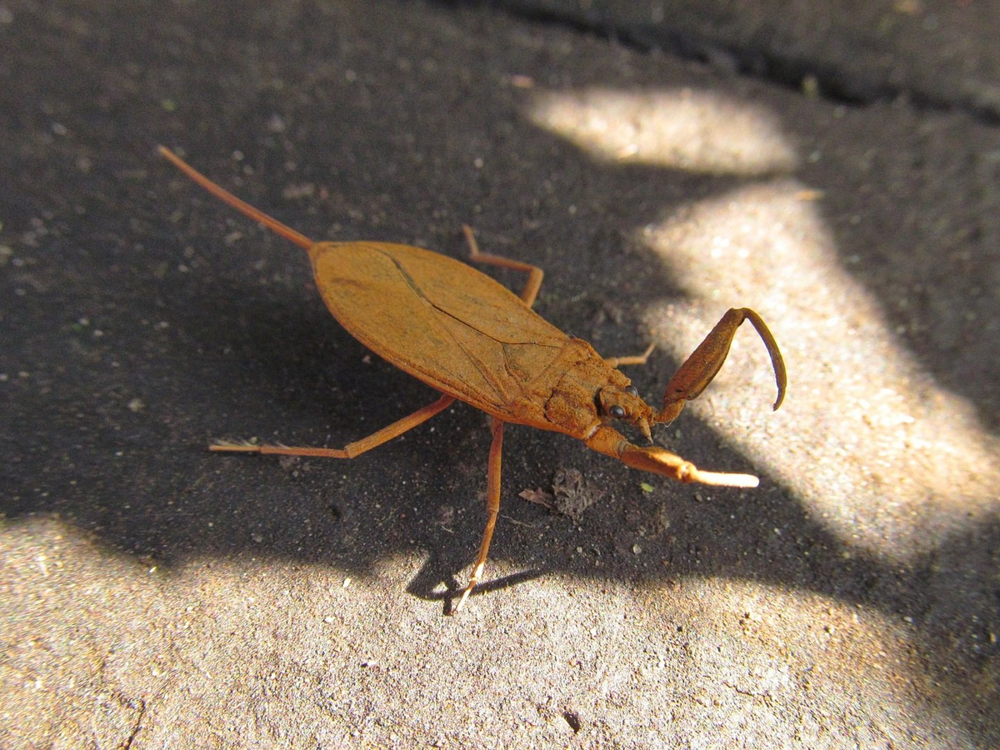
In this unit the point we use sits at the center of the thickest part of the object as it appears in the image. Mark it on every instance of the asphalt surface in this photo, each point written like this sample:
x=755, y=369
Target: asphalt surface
x=835, y=168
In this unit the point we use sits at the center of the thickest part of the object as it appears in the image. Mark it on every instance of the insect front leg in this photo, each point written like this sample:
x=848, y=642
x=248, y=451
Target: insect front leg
x=492, y=509
x=350, y=450
x=705, y=362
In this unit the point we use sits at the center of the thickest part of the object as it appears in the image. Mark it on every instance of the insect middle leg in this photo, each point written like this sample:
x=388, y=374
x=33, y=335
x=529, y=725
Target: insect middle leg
x=492, y=509
x=350, y=450
x=634, y=359
x=535, y=274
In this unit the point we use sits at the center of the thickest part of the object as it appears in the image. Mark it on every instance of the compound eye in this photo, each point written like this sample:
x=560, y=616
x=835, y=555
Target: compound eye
x=631, y=390
x=617, y=412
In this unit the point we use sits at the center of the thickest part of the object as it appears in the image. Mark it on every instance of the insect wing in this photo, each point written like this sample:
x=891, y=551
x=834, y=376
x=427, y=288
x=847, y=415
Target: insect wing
x=438, y=319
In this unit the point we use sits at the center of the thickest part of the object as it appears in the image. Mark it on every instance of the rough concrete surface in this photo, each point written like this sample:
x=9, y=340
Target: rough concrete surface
x=156, y=595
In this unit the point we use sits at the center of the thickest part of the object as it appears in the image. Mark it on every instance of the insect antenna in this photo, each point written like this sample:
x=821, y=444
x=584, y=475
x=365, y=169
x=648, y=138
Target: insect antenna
x=225, y=196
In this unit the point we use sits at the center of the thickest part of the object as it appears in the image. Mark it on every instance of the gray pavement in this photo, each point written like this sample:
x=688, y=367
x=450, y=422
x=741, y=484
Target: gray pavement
x=156, y=595
x=937, y=54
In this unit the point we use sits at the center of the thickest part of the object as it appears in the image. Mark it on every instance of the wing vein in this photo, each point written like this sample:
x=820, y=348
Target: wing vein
x=484, y=371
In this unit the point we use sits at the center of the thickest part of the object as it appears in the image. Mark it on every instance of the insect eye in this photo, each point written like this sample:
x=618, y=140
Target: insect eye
x=617, y=412
x=631, y=390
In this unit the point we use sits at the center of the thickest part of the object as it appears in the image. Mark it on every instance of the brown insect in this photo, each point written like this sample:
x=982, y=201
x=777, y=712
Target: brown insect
x=474, y=340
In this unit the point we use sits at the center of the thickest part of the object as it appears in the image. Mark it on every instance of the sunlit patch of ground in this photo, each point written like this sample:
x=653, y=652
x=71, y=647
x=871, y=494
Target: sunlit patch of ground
x=866, y=440
x=697, y=131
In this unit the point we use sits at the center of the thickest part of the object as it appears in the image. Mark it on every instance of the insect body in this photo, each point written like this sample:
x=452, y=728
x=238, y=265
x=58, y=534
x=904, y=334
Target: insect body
x=474, y=340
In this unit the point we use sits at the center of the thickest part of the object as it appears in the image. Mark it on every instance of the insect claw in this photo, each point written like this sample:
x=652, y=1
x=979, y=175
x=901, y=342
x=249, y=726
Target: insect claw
x=461, y=602
x=236, y=446
x=725, y=479
x=643, y=425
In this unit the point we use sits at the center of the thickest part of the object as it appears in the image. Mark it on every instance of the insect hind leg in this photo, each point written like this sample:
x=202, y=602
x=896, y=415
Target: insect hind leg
x=350, y=450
